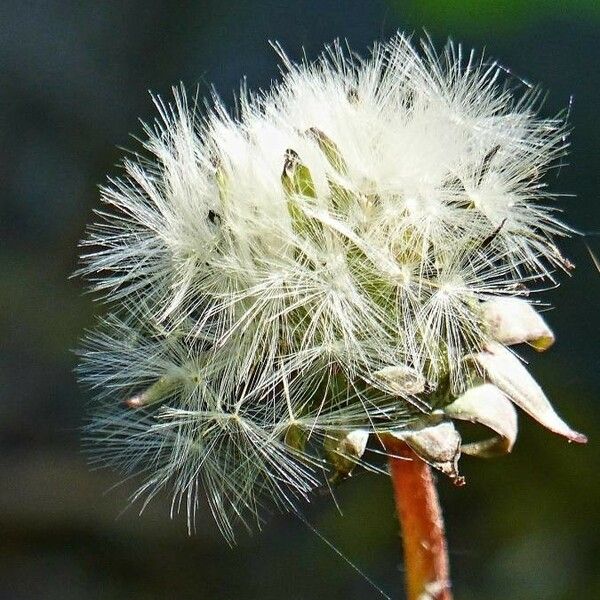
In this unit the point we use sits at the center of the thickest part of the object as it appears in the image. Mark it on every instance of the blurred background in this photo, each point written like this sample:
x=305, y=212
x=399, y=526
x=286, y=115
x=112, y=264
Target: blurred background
x=74, y=78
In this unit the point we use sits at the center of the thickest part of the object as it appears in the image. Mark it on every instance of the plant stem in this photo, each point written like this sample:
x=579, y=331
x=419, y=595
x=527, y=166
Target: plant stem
x=422, y=525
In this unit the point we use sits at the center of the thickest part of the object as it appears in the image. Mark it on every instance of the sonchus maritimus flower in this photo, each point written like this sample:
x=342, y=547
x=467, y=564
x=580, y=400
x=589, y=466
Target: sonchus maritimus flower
x=350, y=256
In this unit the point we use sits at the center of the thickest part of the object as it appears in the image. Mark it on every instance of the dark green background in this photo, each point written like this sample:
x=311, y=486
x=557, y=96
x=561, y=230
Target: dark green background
x=73, y=80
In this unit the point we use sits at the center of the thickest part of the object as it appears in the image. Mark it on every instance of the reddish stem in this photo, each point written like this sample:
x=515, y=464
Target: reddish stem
x=423, y=536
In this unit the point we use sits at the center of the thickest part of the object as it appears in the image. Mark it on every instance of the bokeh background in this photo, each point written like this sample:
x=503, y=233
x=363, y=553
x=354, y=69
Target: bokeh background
x=74, y=78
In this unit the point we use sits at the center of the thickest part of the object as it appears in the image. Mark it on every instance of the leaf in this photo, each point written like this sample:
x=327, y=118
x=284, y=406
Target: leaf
x=296, y=437
x=296, y=177
x=329, y=149
x=298, y=185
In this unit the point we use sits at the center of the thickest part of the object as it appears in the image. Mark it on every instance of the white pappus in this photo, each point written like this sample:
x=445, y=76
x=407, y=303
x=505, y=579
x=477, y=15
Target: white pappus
x=347, y=255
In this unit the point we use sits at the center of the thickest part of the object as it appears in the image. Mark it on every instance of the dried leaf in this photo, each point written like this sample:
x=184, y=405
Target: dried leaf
x=344, y=449
x=514, y=321
x=487, y=405
x=438, y=445
x=506, y=372
x=400, y=380
x=154, y=394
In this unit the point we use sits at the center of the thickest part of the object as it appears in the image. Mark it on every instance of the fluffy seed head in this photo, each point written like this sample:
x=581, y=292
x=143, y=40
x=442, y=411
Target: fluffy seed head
x=316, y=268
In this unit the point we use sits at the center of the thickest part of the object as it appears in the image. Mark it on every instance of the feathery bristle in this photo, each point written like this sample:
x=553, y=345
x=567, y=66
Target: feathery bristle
x=317, y=264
